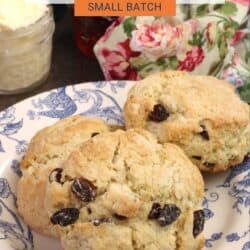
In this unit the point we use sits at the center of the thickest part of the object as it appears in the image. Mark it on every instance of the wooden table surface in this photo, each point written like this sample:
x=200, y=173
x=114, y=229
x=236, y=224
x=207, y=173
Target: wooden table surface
x=69, y=66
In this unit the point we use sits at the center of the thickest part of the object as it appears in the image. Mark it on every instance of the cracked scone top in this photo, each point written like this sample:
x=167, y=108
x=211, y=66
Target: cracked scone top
x=201, y=114
x=47, y=150
x=123, y=190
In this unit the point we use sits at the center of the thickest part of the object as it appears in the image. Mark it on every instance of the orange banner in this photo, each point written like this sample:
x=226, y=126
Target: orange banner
x=125, y=7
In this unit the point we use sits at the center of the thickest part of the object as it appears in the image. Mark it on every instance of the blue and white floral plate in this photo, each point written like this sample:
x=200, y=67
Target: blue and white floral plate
x=227, y=201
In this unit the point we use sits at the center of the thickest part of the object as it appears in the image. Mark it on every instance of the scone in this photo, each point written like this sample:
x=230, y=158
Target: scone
x=201, y=114
x=122, y=190
x=47, y=150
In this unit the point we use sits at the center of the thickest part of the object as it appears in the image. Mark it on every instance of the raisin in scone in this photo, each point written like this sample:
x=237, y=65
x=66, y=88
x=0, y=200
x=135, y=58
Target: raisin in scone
x=123, y=190
x=201, y=114
x=47, y=150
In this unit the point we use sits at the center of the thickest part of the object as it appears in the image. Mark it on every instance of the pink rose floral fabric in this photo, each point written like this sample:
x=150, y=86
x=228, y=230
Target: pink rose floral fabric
x=193, y=58
x=117, y=64
x=209, y=42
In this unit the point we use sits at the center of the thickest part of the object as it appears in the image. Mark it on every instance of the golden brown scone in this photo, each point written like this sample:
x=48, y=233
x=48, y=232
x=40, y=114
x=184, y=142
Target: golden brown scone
x=201, y=114
x=47, y=150
x=123, y=190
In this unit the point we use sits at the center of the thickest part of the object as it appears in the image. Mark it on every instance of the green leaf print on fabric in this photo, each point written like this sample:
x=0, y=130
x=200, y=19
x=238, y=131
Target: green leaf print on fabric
x=227, y=9
x=222, y=45
x=198, y=39
x=244, y=91
x=202, y=10
x=173, y=62
x=129, y=26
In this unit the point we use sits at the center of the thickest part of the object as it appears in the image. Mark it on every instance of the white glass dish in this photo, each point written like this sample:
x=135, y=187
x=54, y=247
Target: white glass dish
x=25, y=55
